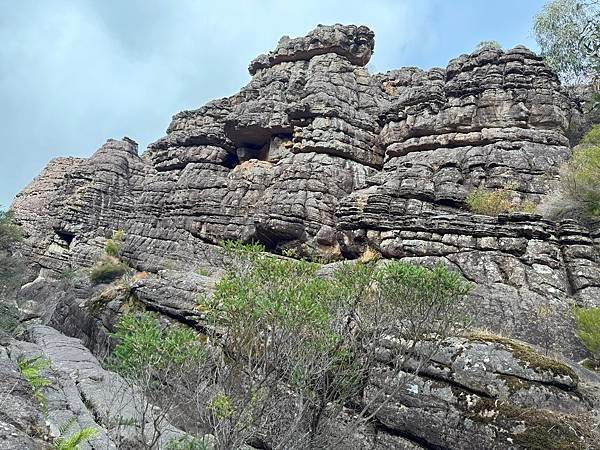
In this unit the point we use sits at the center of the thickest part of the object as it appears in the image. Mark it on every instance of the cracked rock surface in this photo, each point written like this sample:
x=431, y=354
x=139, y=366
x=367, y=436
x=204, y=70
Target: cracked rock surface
x=319, y=156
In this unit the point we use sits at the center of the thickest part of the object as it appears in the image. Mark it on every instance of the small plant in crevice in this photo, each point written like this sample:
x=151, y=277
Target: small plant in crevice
x=74, y=441
x=204, y=271
x=32, y=370
x=495, y=202
x=110, y=267
x=587, y=321
x=113, y=245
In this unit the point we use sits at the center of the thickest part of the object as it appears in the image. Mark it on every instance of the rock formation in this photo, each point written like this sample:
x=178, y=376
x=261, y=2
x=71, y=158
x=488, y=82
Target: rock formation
x=318, y=155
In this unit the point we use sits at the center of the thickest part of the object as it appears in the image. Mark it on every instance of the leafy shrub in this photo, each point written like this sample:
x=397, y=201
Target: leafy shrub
x=221, y=405
x=144, y=345
x=588, y=329
x=592, y=137
x=108, y=270
x=11, y=267
x=318, y=332
x=490, y=203
x=9, y=319
x=188, y=443
x=493, y=45
x=31, y=369
x=495, y=202
x=581, y=177
x=113, y=245
x=205, y=272
x=74, y=441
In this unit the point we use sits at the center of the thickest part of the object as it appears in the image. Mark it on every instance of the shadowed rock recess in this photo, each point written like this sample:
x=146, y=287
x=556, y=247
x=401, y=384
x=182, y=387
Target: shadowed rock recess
x=318, y=155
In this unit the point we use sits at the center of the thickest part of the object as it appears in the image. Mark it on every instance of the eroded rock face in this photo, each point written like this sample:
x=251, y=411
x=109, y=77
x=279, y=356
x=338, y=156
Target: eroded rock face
x=318, y=155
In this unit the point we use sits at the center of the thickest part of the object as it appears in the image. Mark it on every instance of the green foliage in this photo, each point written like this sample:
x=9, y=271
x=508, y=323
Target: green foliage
x=113, y=245
x=592, y=137
x=9, y=319
x=143, y=344
x=490, y=203
x=108, y=270
x=493, y=45
x=11, y=267
x=9, y=232
x=203, y=271
x=221, y=406
x=31, y=369
x=316, y=334
x=581, y=177
x=187, y=443
x=588, y=329
x=568, y=33
x=74, y=441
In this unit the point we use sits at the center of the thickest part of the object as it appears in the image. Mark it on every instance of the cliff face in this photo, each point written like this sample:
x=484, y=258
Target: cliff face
x=318, y=155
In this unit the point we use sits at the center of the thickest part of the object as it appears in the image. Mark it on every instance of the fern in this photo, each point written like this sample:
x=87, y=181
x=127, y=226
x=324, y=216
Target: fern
x=72, y=442
x=31, y=369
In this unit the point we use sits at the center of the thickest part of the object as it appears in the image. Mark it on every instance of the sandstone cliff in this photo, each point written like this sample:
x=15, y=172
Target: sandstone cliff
x=318, y=155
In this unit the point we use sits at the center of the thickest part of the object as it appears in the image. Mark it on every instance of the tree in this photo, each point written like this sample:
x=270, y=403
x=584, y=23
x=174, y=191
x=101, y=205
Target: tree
x=298, y=347
x=286, y=350
x=494, y=45
x=11, y=266
x=568, y=33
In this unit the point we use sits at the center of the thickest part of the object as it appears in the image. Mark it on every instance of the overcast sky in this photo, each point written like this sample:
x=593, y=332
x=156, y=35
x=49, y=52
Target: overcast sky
x=74, y=73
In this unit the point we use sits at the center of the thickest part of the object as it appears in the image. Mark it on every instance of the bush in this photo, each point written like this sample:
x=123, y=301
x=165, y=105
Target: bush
x=492, y=45
x=592, y=137
x=113, y=245
x=31, y=369
x=493, y=203
x=9, y=319
x=107, y=271
x=490, y=203
x=11, y=267
x=588, y=329
x=143, y=344
x=319, y=333
x=581, y=177
x=188, y=443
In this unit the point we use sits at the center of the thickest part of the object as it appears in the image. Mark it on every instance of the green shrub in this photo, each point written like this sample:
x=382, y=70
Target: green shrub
x=9, y=319
x=495, y=202
x=592, y=137
x=588, y=329
x=490, y=203
x=188, y=443
x=203, y=271
x=581, y=177
x=11, y=267
x=144, y=345
x=113, y=245
x=31, y=369
x=107, y=271
x=74, y=441
x=492, y=45
x=319, y=332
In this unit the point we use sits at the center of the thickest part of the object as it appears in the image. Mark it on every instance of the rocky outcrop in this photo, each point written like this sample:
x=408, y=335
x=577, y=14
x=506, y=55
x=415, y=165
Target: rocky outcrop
x=317, y=155
x=484, y=391
x=21, y=420
x=80, y=394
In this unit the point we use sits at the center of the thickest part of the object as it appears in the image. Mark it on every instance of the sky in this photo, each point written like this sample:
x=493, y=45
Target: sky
x=74, y=73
